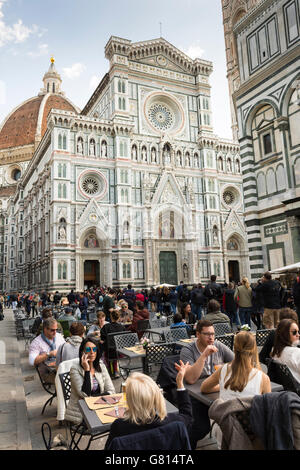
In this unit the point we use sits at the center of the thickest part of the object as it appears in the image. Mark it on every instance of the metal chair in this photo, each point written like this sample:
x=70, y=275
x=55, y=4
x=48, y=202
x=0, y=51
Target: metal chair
x=48, y=387
x=170, y=320
x=125, y=363
x=142, y=325
x=155, y=323
x=261, y=337
x=281, y=374
x=74, y=429
x=28, y=335
x=222, y=328
x=156, y=353
x=110, y=350
x=179, y=333
x=168, y=336
x=227, y=340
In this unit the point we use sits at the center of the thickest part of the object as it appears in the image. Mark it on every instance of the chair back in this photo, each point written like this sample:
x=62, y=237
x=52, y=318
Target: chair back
x=125, y=341
x=155, y=323
x=170, y=320
x=261, y=337
x=65, y=381
x=156, y=353
x=143, y=325
x=179, y=333
x=281, y=374
x=227, y=340
x=168, y=336
x=222, y=328
x=171, y=436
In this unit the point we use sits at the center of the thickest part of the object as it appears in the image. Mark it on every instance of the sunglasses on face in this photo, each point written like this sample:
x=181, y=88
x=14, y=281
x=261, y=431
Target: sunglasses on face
x=88, y=349
x=295, y=332
x=52, y=329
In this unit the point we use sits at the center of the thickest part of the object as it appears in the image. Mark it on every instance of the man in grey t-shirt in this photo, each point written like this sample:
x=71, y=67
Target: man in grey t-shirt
x=202, y=355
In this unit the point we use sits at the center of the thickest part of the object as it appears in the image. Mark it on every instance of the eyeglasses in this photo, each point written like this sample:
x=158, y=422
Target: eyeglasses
x=52, y=329
x=208, y=334
x=295, y=332
x=88, y=349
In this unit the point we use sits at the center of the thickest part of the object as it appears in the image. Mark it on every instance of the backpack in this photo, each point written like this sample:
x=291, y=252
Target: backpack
x=198, y=297
x=184, y=296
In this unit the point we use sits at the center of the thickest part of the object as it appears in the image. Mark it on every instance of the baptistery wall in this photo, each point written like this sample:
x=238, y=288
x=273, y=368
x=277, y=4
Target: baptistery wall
x=136, y=188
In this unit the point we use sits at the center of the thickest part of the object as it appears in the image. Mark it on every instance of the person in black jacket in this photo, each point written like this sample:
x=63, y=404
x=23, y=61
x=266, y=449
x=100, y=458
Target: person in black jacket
x=265, y=352
x=271, y=293
x=230, y=305
x=197, y=300
x=108, y=344
x=147, y=407
x=213, y=291
x=296, y=295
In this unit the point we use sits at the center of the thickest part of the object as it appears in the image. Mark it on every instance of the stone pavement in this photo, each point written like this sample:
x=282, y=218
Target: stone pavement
x=22, y=398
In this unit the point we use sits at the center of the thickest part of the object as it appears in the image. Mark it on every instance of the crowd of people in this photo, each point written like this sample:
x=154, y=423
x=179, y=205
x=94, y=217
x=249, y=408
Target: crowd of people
x=234, y=373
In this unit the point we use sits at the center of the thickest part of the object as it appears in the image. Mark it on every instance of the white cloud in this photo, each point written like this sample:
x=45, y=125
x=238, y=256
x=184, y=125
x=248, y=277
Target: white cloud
x=16, y=33
x=94, y=82
x=2, y=92
x=74, y=71
x=41, y=50
x=194, y=50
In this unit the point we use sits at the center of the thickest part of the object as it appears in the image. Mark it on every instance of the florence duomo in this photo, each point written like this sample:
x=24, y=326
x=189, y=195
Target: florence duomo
x=134, y=188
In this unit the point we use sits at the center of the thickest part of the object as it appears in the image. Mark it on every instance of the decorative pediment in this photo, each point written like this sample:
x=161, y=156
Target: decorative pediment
x=232, y=225
x=93, y=216
x=168, y=191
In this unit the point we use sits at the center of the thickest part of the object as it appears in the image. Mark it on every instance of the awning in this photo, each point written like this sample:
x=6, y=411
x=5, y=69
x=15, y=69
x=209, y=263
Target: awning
x=291, y=268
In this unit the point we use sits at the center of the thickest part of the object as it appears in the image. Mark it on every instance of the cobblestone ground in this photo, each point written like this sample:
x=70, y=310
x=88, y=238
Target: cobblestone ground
x=22, y=398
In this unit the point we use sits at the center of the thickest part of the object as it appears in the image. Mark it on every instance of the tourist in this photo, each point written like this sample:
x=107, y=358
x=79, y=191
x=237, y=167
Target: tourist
x=37, y=327
x=95, y=329
x=197, y=300
x=296, y=295
x=243, y=297
x=110, y=355
x=214, y=313
x=146, y=406
x=271, y=293
x=109, y=303
x=212, y=290
x=88, y=378
x=243, y=376
x=173, y=296
x=70, y=349
x=44, y=349
x=230, y=306
x=266, y=350
x=129, y=296
x=153, y=299
x=67, y=315
x=285, y=348
x=126, y=315
x=140, y=313
x=187, y=314
x=202, y=355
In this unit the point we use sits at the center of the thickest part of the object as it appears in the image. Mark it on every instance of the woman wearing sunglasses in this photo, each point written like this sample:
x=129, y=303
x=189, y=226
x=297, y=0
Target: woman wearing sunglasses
x=285, y=346
x=88, y=378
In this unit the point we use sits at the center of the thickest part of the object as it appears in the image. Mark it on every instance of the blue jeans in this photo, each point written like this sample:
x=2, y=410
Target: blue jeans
x=173, y=308
x=197, y=311
x=245, y=315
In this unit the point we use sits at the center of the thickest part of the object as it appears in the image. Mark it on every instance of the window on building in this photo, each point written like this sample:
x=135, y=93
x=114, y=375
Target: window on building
x=59, y=141
x=59, y=170
x=64, y=142
x=291, y=15
x=267, y=143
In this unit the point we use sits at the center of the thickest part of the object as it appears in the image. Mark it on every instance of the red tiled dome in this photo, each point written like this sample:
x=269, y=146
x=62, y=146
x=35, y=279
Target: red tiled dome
x=20, y=127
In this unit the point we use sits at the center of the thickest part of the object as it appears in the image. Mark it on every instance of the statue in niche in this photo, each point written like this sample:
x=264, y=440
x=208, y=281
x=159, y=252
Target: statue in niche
x=215, y=236
x=185, y=271
x=144, y=154
x=126, y=237
x=220, y=163
x=134, y=152
x=62, y=233
x=237, y=166
x=167, y=156
x=104, y=149
x=153, y=155
x=229, y=168
x=92, y=147
x=80, y=146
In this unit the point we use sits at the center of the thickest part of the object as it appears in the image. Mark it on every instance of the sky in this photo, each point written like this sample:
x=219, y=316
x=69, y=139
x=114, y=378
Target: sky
x=75, y=32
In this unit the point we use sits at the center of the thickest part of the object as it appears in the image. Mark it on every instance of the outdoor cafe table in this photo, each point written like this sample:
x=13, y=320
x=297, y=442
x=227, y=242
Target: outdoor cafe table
x=93, y=422
x=134, y=355
x=208, y=398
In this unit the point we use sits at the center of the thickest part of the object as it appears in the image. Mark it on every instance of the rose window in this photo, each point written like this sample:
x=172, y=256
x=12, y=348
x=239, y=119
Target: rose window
x=160, y=116
x=228, y=197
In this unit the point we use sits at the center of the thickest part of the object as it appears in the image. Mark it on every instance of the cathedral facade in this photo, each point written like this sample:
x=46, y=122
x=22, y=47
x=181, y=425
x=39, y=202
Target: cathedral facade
x=136, y=188
x=263, y=63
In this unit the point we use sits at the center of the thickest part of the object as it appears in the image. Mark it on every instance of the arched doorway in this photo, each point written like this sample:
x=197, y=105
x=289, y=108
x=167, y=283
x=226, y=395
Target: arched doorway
x=233, y=271
x=91, y=273
x=168, y=267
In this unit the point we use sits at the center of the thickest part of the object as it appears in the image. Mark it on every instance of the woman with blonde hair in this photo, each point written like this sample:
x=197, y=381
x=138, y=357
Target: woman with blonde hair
x=243, y=297
x=243, y=376
x=147, y=407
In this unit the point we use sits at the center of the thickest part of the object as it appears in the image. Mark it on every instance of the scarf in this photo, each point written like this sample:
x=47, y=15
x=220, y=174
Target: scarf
x=52, y=344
